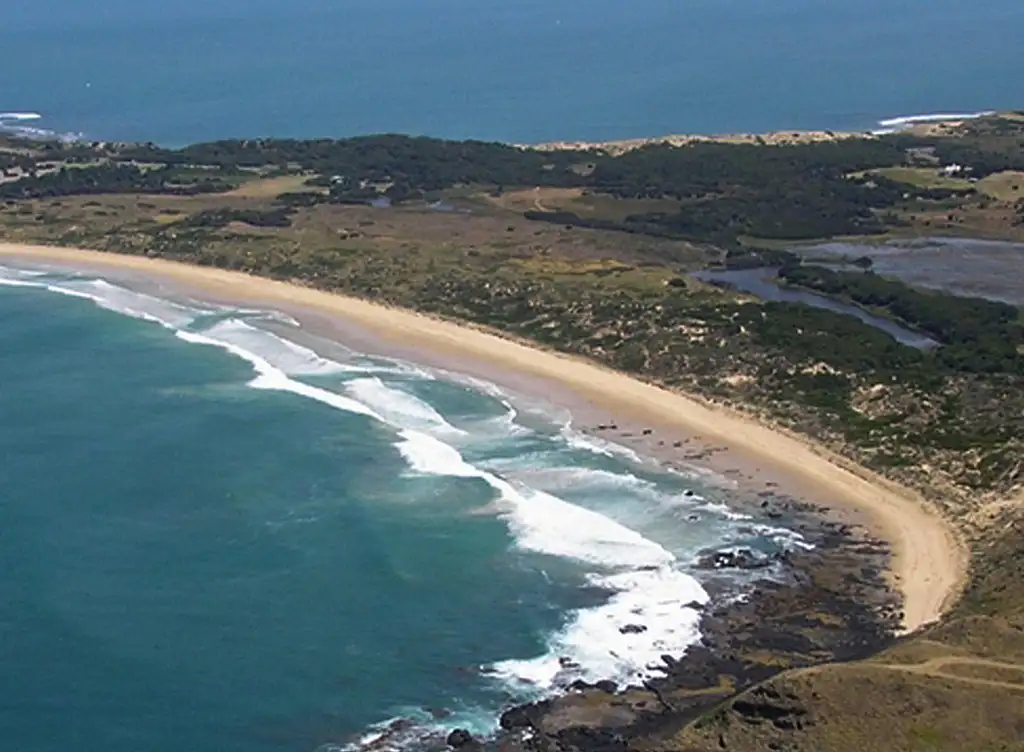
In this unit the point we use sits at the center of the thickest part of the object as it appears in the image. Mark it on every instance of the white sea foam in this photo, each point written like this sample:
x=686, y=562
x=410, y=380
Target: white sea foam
x=430, y=456
x=724, y=511
x=399, y=406
x=19, y=283
x=584, y=442
x=20, y=116
x=544, y=523
x=8, y=272
x=533, y=471
x=592, y=639
x=782, y=536
x=282, y=353
x=260, y=313
x=415, y=728
x=648, y=588
x=105, y=295
x=540, y=521
x=890, y=125
x=17, y=123
x=506, y=424
x=128, y=302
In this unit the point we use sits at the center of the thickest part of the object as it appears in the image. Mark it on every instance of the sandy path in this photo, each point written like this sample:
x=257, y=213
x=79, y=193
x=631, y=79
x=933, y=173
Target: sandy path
x=929, y=561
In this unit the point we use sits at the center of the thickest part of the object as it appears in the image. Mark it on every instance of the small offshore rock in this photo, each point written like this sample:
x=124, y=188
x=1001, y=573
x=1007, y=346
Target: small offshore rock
x=607, y=685
x=742, y=558
x=517, y=717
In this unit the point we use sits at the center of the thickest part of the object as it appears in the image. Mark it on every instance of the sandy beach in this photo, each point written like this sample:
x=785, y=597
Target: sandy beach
x=929, y=561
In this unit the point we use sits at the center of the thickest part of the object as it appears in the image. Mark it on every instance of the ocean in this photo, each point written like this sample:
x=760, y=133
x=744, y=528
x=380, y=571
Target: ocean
x=528, y=71
x=213, y=537
x=219, y=533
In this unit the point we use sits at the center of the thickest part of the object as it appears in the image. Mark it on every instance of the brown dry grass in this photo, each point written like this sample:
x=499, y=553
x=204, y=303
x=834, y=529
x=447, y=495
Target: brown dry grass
x=274, y=187
x=1003, y=186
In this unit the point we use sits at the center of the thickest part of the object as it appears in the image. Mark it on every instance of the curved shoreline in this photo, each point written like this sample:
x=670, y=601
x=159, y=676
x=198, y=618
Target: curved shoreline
x=929, y=560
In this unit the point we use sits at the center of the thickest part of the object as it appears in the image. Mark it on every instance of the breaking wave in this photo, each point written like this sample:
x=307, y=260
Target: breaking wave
x=652, y=603
x=16, y=124
x=892, y=125
x=645, y=584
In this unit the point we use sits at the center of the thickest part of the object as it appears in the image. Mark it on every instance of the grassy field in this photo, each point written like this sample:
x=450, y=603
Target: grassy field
x=924, y=177
x=1003, y=186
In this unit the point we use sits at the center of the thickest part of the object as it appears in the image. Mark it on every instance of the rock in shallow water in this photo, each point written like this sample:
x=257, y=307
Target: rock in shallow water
x=460, y=738
x=632, y=629
x=742, y=558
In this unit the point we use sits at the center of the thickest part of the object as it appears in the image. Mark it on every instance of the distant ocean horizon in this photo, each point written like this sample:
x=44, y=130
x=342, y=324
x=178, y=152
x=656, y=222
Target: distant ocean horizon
x=524, y=72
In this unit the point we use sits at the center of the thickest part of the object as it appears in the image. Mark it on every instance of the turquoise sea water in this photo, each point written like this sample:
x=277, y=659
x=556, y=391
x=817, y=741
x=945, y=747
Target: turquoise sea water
x=213, y=538
x=531, y=70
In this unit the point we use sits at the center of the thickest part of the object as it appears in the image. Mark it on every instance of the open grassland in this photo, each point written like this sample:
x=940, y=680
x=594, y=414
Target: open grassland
x=1004, y=186
x=924, y=177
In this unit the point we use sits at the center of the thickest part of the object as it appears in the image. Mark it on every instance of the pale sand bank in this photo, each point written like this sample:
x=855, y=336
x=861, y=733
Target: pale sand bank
x=929, y=561
x=772, y=138
x=921, y=125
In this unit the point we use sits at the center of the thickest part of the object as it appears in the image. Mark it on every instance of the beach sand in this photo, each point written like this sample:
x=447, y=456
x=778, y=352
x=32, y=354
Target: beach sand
x=929, y=560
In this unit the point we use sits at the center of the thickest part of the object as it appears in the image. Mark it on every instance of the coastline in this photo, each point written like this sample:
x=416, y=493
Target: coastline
x=921, y=125
x=928, y=561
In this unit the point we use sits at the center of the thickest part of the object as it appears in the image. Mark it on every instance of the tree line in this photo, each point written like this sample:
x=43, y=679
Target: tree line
x=977, y=335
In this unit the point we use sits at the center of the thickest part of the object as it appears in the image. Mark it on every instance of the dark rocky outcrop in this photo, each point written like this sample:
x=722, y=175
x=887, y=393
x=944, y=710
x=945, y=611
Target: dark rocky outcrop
x=460, y=738
x=740, y=558
x=766, y=704
x=632, y=629
x=831, y=605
